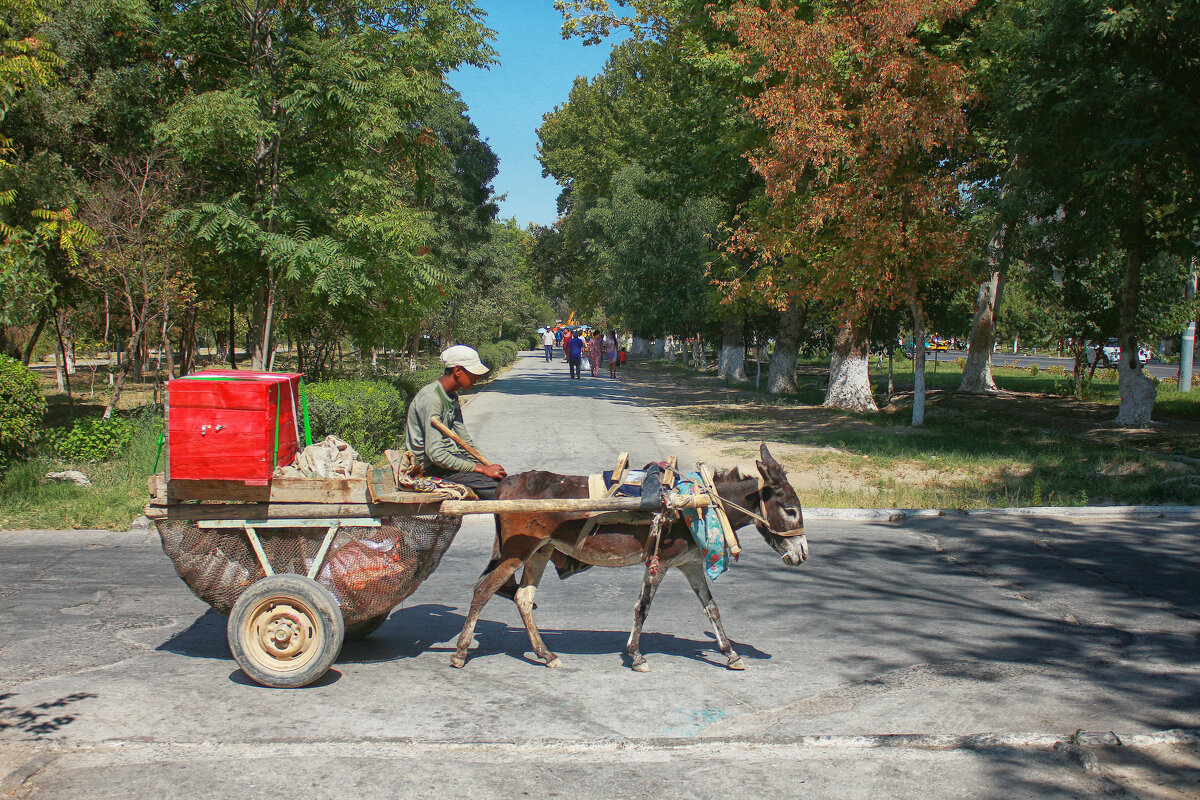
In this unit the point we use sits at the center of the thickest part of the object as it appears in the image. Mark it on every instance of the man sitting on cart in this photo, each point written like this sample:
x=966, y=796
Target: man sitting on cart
x=438, y=454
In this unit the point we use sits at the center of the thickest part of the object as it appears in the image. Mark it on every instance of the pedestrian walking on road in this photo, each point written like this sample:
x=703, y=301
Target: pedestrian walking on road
x=566, y=344
x=574, y=347
x=612, y=354
x=548, y=343
x=593, y=348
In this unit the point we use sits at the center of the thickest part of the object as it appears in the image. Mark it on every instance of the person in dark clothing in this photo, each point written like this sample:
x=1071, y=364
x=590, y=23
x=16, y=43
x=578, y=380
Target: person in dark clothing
x=575, y=355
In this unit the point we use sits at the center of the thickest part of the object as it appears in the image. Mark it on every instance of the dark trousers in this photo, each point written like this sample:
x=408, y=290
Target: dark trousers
x=574, y=364
x=549, y=352
x=477, y=482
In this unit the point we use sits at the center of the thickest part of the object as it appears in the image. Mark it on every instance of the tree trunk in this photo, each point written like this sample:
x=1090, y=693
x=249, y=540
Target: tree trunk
x=33, y=339
x=977, y=373
x=699, y=360
x=918, y=314
x=732, y=363
x=65, y=377
x=263, y=316
x=639, y=346
x=1137, y=391
x=660, y=347
x=849, y=373
x=232, y=338
x=782, y=375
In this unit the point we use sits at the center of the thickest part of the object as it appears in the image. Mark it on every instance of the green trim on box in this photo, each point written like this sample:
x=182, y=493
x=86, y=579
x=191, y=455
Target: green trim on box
x=162, y=438
x=304, y=408
x=278, y=401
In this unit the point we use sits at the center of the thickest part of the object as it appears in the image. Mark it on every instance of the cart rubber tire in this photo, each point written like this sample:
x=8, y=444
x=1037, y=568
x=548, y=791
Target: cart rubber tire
x=361, y=630
x=285, y=631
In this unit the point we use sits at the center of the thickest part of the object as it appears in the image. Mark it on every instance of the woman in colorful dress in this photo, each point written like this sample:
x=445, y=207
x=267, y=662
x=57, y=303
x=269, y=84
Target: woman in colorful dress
x=593, y=350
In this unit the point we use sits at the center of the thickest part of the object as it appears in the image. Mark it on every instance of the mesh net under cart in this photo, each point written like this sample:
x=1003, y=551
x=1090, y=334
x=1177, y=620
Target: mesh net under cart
x=369, y=568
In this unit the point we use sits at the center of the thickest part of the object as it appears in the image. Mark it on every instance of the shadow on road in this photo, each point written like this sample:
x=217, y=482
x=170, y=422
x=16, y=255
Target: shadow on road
x=417, y=629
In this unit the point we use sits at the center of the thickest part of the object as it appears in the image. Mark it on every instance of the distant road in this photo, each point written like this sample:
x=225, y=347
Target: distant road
x=1155, y=367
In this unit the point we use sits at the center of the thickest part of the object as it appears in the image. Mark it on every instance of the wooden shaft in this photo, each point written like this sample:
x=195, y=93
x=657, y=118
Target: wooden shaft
x=454, y=508
x=454, y=437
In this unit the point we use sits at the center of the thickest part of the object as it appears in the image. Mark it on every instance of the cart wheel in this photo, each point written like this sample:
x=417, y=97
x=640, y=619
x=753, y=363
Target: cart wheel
x=285, y=631
x=361, y=630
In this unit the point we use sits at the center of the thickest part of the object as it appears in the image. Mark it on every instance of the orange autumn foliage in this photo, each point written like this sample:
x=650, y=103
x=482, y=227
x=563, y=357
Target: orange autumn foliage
x=864, y=119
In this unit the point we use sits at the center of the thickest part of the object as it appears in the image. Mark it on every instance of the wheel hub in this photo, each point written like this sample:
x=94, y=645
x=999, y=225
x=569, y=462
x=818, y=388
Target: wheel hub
x=282, y=632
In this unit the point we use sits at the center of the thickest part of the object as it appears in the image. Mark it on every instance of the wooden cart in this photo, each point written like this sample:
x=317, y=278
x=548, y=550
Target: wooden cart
x=299, y=565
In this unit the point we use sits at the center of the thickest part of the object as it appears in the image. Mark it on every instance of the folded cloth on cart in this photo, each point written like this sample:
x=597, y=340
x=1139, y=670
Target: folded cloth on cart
x=407, y=469
x=631, y=482
x=331, y=458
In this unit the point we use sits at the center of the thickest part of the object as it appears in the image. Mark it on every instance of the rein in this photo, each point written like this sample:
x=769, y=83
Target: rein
x=753, y=515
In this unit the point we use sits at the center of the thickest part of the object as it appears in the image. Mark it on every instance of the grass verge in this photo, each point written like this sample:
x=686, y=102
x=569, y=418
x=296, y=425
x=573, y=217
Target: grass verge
x=1029, y=445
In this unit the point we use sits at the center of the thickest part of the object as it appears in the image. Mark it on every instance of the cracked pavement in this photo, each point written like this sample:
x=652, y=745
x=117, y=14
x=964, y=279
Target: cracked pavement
x=934, y=657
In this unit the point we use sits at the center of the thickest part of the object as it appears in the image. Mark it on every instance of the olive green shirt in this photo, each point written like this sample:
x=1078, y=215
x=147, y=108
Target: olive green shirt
x=434, y=450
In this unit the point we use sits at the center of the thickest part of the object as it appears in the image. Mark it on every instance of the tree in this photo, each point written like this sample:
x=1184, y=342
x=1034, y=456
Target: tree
x=307, y=124
x=863, y=105
x=1102, y=105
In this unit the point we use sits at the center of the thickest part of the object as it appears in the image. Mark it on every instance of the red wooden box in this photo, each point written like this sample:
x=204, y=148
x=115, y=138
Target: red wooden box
x=224, y=425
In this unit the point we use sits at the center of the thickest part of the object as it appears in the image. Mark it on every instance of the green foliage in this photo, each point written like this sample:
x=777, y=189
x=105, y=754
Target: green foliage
x=369, y=415
x=92, y=439
x=498, y=355
x=22, y=409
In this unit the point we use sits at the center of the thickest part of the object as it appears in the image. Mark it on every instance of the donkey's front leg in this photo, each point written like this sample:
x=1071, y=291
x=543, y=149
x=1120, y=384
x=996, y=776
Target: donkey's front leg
x=530, y=579
x=633, y=646
x=694, y=572
x=485, y=587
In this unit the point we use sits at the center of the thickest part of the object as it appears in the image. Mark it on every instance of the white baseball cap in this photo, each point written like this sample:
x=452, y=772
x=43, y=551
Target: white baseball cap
x=462, y=356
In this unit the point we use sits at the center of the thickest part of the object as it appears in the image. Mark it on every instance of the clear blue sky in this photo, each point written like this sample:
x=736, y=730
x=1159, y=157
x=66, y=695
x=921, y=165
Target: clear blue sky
x=507, y=102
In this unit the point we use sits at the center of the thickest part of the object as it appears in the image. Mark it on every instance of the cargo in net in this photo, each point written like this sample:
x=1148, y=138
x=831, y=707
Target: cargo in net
x=370, y=570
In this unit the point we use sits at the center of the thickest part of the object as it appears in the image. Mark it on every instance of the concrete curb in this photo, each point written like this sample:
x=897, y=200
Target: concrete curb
x=1069, y=512
x=910, y=741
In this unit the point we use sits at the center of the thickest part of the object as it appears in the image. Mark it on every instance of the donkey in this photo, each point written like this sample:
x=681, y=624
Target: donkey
x=529, y=539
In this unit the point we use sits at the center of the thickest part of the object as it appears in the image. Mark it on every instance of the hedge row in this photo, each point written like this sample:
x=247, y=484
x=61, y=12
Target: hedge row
x=22, y=409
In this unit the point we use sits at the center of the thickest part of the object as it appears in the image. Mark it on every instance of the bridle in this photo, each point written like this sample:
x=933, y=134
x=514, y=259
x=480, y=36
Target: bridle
x=754, y=515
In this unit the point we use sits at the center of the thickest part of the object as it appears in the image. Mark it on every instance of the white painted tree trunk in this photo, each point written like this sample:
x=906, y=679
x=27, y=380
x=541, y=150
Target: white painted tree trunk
x=782, y=375
x=660, y=347
x=699, y=358
x=849, y=372
x=1137, y=391
x=639, y=347
x=918, y=409
x=977, y=372
x=732, y=363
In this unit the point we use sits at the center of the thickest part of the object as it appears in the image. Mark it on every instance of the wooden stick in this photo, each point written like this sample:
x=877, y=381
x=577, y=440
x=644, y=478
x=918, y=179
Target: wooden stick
x=710, y=482
x=454, y=437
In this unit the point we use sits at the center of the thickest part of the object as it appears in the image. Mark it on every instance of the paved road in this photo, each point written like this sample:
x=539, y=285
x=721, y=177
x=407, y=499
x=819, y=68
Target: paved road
x=942, y=657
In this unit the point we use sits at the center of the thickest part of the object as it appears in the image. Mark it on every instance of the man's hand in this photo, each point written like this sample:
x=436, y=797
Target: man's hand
x=492, y=471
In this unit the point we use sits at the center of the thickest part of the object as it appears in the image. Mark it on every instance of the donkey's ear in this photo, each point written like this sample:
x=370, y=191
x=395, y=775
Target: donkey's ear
x=767, y=458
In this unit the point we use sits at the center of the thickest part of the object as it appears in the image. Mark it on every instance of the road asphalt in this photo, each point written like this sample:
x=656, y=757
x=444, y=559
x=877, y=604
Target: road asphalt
x=930, y=656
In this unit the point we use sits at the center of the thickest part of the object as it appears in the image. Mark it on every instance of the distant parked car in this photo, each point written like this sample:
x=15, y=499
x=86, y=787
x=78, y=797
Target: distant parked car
x=1112, y=352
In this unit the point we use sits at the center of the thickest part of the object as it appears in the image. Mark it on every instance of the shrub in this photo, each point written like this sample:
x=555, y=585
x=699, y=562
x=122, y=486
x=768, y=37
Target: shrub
x=22, y=409
x=92, y=439
x=369, y=415
x=1033, y=369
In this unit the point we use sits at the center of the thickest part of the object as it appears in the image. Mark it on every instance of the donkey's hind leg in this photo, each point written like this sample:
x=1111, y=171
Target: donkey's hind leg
x=650, y=583
x=694, y=572
x=530, y=578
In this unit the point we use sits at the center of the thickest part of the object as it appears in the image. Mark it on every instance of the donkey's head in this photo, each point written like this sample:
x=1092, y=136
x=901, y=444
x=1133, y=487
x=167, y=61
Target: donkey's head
x=780, y=507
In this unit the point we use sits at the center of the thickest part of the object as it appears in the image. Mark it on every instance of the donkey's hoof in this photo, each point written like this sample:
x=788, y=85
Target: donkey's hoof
x=554, y=663
x=458, y=662
x=640, y=666
x=736, y=663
